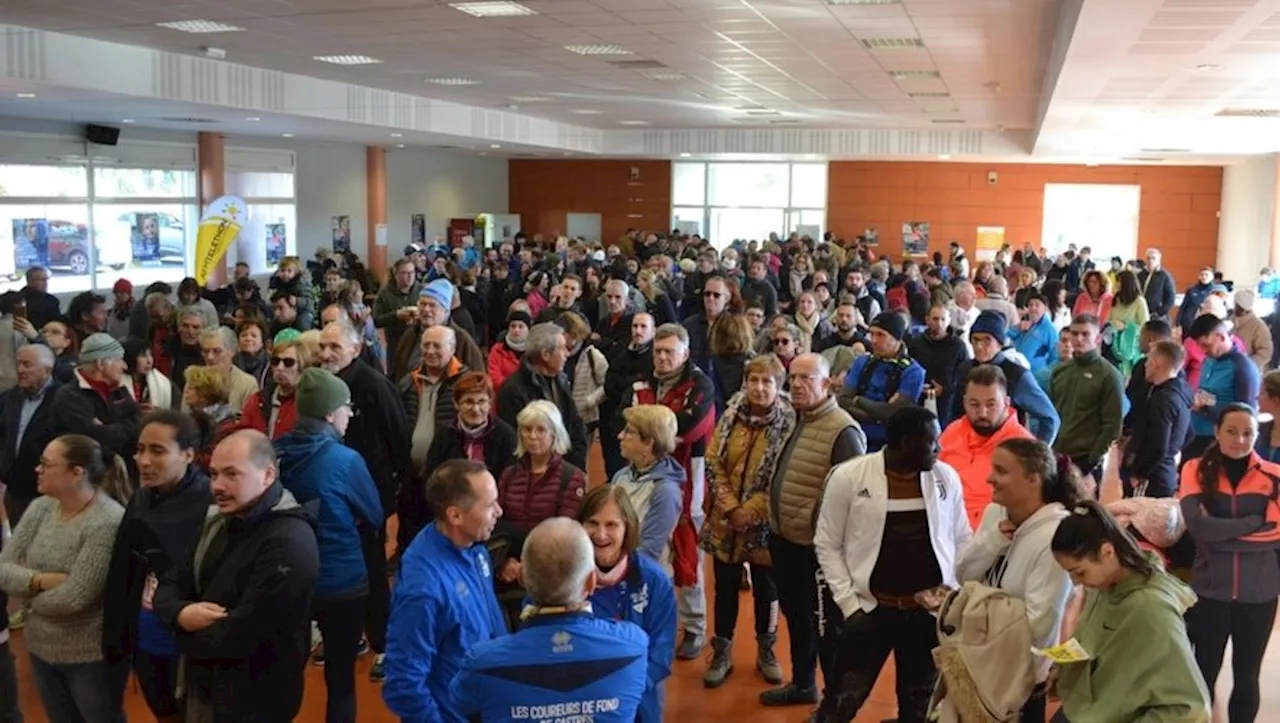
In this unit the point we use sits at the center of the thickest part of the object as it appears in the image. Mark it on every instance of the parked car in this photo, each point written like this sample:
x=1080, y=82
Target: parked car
x=69, y=249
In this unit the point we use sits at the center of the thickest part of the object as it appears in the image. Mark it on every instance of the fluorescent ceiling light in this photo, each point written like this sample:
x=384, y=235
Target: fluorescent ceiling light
x=253, y=119
x=784, y=122
x=452, y=81
x=598, y=49
x=399, y=145
x=944, y=156
x=891, y=43
x=633, y=123
x=26, y=96
x=286, y=135
x=495, y=145
x=200, y=26
x=396, y=135
x=948, y=121
x=685, y=155
x=529, y=99
x=347, y=59
x=665, y=75
x=863, y=2
x=494, y=9
x=127, y=120
x=914, y=74
x=586, y=111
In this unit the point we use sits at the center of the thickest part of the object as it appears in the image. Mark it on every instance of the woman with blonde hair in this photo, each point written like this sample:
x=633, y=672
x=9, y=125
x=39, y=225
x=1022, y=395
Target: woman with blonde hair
x=657, y=300
x=206, y=394
x=809, y=318
x=741, y=461
x=652, y=477
x=732, y=342
x=586, y=368
x=273, y=410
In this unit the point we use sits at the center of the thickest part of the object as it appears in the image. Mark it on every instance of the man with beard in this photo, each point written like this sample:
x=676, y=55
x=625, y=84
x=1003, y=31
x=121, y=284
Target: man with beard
x=380, y=432
x=758, y=289
x=394, y=307
x=940, y=352
x=184, y=349
x=613, y=330
x=968, y=443
x=848, y=341
x=564, y=297
x=1035, y=410
x=629, y=364
x=869, y=306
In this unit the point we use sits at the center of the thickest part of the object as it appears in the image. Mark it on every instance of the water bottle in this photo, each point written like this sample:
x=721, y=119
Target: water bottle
x=931, y=400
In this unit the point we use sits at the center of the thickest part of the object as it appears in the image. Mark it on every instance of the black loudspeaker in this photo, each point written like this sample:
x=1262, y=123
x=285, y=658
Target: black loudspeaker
x=102, y=135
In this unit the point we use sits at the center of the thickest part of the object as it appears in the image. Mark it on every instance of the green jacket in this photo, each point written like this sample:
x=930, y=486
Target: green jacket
x=1141, y=666
x=1088, y=394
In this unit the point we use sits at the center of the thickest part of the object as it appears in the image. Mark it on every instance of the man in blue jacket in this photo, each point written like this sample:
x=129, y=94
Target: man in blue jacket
x=565, y=663
x=443, y=605
x=1036, y=338
x=1227, y=376
x=1035, y=410
x=883, y=381
x=322, y=472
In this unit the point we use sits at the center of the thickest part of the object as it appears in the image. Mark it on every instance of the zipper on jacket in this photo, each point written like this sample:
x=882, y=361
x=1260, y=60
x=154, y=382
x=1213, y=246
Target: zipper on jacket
x=1235, y=556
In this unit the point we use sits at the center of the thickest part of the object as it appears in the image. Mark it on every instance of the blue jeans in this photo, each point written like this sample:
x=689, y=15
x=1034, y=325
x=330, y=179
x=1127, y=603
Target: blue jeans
x=75, y=692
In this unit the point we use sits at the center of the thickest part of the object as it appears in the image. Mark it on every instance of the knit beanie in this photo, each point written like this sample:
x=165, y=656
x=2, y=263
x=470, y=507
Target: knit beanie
x=892, y=324
x=320, y=392
x=440, y=291
x=99, y=346
x=992, y=323
x=520, y=315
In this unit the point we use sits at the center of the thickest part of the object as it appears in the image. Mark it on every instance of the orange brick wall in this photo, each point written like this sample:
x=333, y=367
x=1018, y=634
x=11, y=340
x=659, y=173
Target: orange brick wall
x=1179, y=207
x=543, y=192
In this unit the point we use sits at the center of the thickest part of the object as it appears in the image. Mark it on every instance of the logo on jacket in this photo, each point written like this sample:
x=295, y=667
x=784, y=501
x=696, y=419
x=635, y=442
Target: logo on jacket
x=561, y=642
x=462, y=589
x=483, y=560
x=640, y=599
x=864, y=493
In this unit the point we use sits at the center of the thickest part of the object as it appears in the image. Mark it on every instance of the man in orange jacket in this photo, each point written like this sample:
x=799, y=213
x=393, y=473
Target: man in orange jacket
x=968, y=442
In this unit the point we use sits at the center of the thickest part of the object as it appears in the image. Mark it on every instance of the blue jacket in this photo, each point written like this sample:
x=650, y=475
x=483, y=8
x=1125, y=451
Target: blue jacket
x=1232, y=377
x=646, y=598
x=442, y=607
x=1029, y=397
x=879, y=388
x=315, y=465
x=659, y=509
x=1039, y=344
x=557, y=667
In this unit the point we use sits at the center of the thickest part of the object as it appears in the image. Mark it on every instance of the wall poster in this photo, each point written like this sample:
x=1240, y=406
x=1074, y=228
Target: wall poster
x=418, y=229
x=277, y=237
x=989, y=242
x=341, y=234
x=915, y=238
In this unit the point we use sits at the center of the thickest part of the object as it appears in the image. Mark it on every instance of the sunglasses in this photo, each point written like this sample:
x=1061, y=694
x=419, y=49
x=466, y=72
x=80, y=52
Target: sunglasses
x=288, y=362
x=712, y=294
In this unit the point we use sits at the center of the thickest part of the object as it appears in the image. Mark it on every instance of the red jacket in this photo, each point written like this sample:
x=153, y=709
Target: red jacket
x=257, y=411
x=527, y=501
x=503, y=362
x=693, y=401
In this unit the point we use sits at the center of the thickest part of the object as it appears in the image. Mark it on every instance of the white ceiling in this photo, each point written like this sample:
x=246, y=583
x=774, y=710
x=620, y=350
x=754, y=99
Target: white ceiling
x=1087, y=80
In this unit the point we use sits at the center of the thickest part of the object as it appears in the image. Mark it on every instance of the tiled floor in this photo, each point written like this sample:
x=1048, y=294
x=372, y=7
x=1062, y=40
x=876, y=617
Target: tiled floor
x=687, y=700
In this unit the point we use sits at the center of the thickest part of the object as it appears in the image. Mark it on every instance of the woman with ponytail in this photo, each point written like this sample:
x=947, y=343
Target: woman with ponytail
x=58, y=558
x=161, y=524
x=1228, y=499
x=1139, y=664
x=1032, y=490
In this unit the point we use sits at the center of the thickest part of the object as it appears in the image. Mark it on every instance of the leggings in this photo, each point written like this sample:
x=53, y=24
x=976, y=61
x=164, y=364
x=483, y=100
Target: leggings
x=1210, y=623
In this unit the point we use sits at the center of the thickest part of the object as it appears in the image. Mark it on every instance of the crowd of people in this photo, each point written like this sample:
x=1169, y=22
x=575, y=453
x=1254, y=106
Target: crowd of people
x=198, y=483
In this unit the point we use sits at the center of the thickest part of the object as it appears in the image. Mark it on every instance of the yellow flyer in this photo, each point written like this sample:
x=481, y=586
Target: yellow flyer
x=1069, y=652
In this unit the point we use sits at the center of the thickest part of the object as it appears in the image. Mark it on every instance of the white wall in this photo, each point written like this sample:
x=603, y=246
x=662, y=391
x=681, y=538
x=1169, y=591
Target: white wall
x=1247, y=220
x=442, y=185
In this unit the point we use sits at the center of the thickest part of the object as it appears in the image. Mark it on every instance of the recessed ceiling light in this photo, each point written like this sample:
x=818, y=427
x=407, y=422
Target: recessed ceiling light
x=399, y=145
x=928, y=95
x=452, y=81
x=763, y=111
x=914, y=74
x=396, y=135
x=484, y=153
x=944, y=156
x=253, y=119
x=784, y=122
x=26, y=95
x=494, y=9
x=1206, y=67
x=685, y=155
x=286, y=135
x=495, y=145
x=347, y=59
x=665, y=75
x=201, y=26
x=891, y=43
x=127, y=120
x=586, y=111
x=633, y=123
x=529, y=99
x=598, y=49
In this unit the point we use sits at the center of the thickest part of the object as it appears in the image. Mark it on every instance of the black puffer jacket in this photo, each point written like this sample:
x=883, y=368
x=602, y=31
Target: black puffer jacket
x=941, y=359
x=379, y=430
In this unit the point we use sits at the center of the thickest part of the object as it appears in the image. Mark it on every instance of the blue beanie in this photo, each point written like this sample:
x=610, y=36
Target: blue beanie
x=992, y=323
x=441, y=291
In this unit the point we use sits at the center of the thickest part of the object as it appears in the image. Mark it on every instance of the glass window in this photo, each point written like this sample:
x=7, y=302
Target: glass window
x=143, y=183
x=730, y=224
x=259, y=184
x=690, y=220
x=748, y=184
x=809, y=185
x=146, y=242
x=43, y=181
x=53, y=236
x=269, y=234
x=1101, y=216
x=689, y=184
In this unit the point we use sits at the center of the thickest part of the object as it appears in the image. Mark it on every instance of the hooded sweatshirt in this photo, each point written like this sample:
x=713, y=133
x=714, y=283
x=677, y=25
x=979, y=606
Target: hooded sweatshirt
x=657, y=495
x=1141, y=667
x=315, y=465
x=1039, y=343
x=1023, y=567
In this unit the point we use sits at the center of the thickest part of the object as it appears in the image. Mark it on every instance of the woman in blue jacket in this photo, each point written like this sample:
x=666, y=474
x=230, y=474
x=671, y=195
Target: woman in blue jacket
x=321, y=471
x=1036, y=338
x=631, y=587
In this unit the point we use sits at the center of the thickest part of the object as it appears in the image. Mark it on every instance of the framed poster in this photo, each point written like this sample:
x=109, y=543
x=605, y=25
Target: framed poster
x=990, y=240
x=418, y=229
x=871, y=236
x=145, y=237
x=341, y=234
x=31, y=244
x=277, y=238
x=915, y=238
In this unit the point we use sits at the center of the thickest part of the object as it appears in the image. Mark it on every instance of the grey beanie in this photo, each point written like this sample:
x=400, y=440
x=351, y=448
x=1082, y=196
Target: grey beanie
x=100, y=346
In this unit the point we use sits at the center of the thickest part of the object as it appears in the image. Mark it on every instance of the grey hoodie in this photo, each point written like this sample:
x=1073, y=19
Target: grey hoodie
x=657, y=494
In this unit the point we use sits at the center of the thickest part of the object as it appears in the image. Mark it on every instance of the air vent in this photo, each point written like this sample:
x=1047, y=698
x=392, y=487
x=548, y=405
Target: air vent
x=186, y=120
x=1248, y=113
x=1164, y=150
x=784, y=122
x=891, y=43
x=666, y=76
x=929, y=95
x=637, y=64
x=863, y=2
x=948, y=121
x=914, y=74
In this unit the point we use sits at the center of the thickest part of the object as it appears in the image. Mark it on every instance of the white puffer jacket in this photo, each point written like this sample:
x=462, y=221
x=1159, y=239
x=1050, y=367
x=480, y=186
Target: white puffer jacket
x=588, y=383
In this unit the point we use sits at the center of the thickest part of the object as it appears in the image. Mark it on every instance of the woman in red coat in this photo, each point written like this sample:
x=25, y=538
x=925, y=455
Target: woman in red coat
x=274, y=411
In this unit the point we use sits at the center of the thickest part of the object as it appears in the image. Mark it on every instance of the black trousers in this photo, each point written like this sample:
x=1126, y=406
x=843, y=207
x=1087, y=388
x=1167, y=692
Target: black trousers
x=341, y=623
x=799, y=580
x=1209, y=624
x=862, y=645
x=728, y=592
x=610, y=447
x=377, y=607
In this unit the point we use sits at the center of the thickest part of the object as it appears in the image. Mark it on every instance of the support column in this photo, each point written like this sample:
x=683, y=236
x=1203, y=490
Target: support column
x=212, y=177
x=376, y=183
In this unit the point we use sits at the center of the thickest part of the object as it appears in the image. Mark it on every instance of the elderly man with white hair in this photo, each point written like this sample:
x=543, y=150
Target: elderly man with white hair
x=613, y=329
x=26, y=427
x=541, y=376
x=600, y=665
x=427, y=392
x=218, y=347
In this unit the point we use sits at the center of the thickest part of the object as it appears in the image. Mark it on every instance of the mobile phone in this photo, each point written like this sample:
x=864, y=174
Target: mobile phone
x=20, y=310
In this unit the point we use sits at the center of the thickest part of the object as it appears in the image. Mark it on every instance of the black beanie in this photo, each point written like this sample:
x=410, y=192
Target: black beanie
x=520, y=315
x=892, y=324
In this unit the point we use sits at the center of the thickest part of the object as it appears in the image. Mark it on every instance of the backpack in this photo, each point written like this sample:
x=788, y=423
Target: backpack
x=897, y=367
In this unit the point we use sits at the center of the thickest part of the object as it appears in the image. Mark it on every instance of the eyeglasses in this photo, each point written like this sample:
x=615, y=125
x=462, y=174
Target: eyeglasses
x=288, y=361
x=782, y=342
x=475, y=402
x=712, y=294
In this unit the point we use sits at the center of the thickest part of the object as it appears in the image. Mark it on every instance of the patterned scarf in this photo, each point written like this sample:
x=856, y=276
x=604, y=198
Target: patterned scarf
x=777, y=424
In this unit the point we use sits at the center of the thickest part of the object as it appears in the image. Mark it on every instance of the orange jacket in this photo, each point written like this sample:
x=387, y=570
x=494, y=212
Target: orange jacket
x=969, y=453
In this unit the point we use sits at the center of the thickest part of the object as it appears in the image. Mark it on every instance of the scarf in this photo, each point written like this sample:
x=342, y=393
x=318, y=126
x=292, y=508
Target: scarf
x=517, y=346
x=808, y=325
x=796, y=283
x=777, y=424
x=614, y=576
x=121, y=312
x=473, y=439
